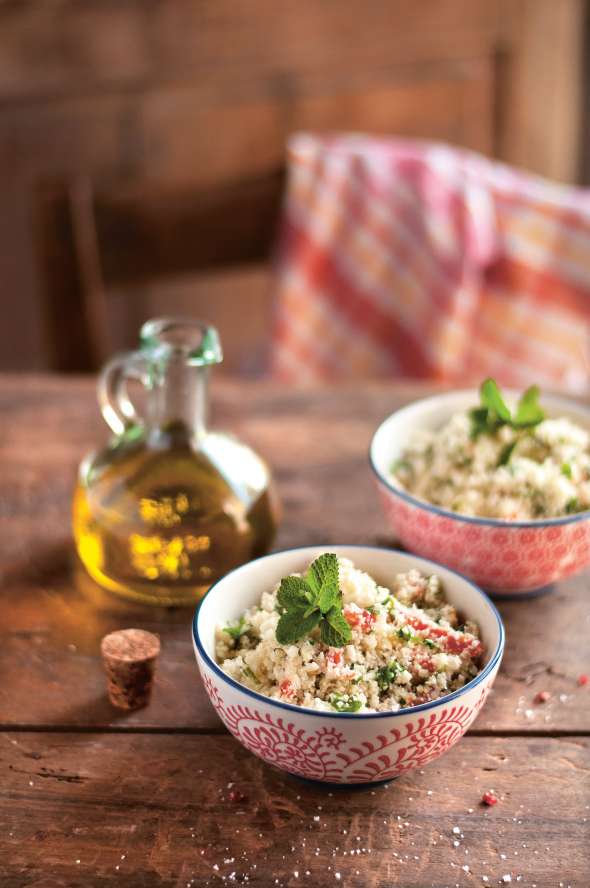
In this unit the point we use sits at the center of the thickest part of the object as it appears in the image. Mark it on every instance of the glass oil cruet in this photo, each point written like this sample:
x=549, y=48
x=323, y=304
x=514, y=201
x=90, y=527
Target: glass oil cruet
x=168, y=506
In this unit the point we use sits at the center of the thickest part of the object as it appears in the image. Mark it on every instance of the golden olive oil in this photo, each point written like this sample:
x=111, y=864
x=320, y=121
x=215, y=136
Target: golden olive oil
x=169, y=507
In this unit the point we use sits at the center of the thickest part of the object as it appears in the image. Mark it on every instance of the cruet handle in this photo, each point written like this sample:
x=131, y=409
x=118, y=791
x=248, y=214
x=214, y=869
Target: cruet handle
x=115, y=405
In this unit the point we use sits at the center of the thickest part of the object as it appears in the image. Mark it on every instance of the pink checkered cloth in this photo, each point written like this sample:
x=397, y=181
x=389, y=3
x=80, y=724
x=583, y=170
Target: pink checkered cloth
x=418, y=260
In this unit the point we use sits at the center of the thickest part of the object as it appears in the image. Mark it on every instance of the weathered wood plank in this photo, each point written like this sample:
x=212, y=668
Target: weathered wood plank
x=60, y=48
x=107, y=811
x=54, y=616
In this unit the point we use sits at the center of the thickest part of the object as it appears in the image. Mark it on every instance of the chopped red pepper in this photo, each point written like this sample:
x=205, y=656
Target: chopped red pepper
x=583, y=680
x=542, y=697
x=488, y=798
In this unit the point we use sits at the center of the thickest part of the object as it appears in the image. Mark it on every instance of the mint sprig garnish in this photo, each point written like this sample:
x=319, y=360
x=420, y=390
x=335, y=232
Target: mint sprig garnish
x=493, y=412
x=310, y=601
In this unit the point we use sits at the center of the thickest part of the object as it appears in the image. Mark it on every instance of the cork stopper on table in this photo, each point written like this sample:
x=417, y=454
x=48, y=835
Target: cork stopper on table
x=129, y=657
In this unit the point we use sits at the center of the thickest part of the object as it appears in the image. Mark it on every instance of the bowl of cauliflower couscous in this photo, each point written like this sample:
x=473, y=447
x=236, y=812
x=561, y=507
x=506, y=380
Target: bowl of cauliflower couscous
x=495, y=486
x=347, y=664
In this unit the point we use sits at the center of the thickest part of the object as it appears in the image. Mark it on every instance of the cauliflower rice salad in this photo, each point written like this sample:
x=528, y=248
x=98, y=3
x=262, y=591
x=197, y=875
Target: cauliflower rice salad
x=350, y=645
x=492, y=463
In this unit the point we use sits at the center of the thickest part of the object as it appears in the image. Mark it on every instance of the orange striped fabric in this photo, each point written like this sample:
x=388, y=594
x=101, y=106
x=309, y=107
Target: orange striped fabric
x=418, y=260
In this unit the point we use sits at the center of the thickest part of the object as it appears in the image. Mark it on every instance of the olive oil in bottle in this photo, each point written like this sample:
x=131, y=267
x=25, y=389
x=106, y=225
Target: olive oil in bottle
x=169, y=506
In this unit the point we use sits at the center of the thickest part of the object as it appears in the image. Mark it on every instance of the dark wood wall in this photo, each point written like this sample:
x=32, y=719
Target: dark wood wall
x=142, y=141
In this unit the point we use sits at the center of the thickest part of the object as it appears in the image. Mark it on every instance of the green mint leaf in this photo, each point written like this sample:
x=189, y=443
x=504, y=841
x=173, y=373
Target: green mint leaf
x=344, y=703
x=334, y=630
x=293, y=625
x=322, y=578
x=566, y=470
x=293, y=592
x=239, y=629
x=338, y=621
x=529, y=412
x=506, y=453
x=493, y=400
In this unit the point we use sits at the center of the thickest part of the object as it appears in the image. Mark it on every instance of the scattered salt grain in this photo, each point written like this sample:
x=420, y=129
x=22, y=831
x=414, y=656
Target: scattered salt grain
x=506, y=878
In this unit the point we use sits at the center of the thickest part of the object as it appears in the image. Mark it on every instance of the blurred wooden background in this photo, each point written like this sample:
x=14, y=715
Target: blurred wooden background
x=142, y=142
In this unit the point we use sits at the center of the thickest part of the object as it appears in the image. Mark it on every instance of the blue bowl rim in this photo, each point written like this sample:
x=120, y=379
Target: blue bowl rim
x=457, y=516
x=290, y=707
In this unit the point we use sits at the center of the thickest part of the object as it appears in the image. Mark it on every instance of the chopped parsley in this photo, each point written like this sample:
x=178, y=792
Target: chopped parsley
x=401, y=465
x=239, y=629
x=344, y=703
x=386, y=675
x=249, y=674
x=405, y=633
x=572, y=505
x=566, y=470
x=506, y=453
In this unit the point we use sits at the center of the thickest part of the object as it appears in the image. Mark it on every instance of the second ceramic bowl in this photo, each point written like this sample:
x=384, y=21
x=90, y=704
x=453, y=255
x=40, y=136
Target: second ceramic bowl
x=504, y=557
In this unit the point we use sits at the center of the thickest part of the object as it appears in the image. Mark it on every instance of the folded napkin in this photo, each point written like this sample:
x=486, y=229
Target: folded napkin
x=410, y=259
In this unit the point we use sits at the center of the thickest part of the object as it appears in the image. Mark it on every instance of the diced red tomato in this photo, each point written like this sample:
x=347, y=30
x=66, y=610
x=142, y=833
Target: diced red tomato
x=417, y=623
x=334, y=656
x=426, y=663
x=541, y=697
x=583, y=680
x=352, y=615
x=455, y=644
x=286, y=688
x=488, y=798
x=356, y=617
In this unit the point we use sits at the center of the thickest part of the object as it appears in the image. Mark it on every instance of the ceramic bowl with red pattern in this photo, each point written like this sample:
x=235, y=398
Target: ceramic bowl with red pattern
x=343, y=748
x=515, y=558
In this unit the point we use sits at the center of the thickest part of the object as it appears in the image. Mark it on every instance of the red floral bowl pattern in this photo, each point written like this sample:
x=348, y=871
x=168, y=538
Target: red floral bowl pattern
x=502, y=559
x=337, y=747
x=509, y=557
x=304, y=746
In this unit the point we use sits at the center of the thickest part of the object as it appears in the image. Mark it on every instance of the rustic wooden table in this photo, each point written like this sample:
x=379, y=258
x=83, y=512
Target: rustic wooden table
x=90, y=797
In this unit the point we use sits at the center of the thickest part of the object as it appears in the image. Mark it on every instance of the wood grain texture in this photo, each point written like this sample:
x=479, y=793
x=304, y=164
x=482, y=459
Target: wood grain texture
x=63, y=48
x=316, y=441
x=201, y=95
x=155, y=811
